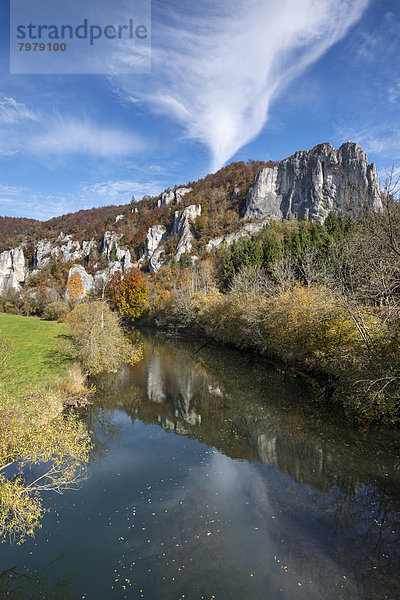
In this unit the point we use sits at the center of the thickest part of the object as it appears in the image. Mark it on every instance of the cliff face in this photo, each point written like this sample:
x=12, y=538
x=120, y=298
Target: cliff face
x=15, y=269
x=12, y=269
x=310, y=184
x=313, y=183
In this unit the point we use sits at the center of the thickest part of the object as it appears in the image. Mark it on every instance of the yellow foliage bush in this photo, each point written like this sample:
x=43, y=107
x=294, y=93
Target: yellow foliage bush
x=309, y=324
x=40, y=449
x=99, y=339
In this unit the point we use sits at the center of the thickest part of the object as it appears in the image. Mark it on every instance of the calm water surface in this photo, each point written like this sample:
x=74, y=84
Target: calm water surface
x=214, y=476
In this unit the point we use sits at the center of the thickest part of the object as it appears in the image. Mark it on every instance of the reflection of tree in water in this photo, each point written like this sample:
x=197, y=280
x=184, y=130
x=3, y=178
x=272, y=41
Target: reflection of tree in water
x=368, y=523
x=100, y=422
x=36, y=584
x=247, y=409
x=241, y=405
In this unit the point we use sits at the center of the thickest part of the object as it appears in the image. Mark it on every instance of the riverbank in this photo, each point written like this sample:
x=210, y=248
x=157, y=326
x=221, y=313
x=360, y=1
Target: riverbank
x=208, y=453
x=351, y=351
x=37, y=437
x=34, y=357
x=39, y=359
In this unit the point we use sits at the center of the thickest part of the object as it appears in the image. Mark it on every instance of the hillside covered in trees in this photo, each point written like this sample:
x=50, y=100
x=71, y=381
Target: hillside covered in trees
x=318, y=290
x=213, y=192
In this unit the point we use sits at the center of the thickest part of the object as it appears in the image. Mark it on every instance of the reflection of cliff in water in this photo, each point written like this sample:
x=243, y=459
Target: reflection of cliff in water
x=243, y=406
x=247, y=409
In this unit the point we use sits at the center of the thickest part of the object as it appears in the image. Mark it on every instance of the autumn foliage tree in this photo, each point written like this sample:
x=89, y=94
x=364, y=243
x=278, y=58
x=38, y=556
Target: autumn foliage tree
x=75, y=287
x=99, y=340
x=128, y=293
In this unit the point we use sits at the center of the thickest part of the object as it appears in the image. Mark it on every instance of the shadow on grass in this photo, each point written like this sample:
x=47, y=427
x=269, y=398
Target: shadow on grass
x=63, y=352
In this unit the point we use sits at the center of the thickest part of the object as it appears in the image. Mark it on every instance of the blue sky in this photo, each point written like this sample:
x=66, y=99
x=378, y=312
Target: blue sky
x=246, y=79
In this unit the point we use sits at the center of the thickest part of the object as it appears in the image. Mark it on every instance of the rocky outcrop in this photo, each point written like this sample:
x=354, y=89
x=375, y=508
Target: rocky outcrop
x=181, y=228
x=65, y=249
x=236, y=193
x=180, y=193
x=169, y=197
x=109, y=247
x=154, y=237
x=166, y=199
x=153, y=250
x=12, y=269
x=42, y=255
x=97, y=282
x=157, y=236
x=312, y=183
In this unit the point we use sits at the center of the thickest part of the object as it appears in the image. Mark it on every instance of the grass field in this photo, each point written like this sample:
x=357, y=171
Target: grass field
x=34, y=359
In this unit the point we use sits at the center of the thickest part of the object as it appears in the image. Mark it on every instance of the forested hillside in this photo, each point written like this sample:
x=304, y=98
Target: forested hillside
x=221, y=213
x=83, y=224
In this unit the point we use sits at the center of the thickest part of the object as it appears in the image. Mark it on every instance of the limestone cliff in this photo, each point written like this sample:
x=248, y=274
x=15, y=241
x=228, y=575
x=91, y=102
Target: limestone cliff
x=312, y=183
x=158, y=235
x=181, y=228
x=12, y=269
x=153, y=250
x=170, y=197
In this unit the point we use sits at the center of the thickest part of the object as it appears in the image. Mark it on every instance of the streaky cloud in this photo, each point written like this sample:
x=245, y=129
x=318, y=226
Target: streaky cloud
x=217, y=68
x=12, y=111
x=73, y=136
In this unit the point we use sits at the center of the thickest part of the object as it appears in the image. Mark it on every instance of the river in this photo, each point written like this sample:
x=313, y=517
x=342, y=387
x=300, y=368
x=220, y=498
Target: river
x=215, y=475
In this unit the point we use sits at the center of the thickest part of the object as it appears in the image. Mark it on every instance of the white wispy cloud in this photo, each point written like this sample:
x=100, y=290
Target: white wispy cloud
x=73, y=136
x=16, y=200
x=216, y=68
x=12, y=111
x=37, y=133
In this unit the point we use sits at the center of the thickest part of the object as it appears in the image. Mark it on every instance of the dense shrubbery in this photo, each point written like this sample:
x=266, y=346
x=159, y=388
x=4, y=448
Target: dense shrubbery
x=282, y=242
x=56, y=311
x=100, y=342
x=322, y=298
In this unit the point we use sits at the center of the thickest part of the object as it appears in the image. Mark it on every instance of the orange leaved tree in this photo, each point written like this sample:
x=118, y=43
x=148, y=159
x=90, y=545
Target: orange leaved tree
x=128, y=293
x=75, y=287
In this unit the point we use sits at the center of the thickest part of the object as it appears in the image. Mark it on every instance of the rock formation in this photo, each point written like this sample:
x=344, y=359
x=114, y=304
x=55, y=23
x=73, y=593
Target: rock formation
x=12, y=269
x=309, y=184
x=153, y=250
x=157, y=236
x=65, y=249
x=247, y=231
x=87, y=280
x=170, y=197
x=180, y=192
x=166, y=199
x=182, y=229
x=312, y=183
x=110, y=248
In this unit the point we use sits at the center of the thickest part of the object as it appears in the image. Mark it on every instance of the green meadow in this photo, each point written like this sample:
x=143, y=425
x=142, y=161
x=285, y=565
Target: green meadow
x=35, y=357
